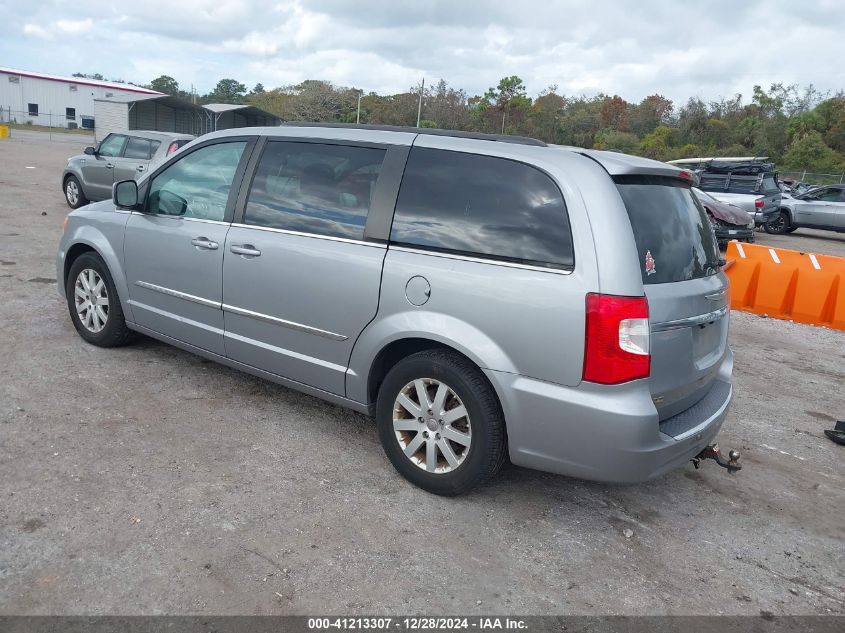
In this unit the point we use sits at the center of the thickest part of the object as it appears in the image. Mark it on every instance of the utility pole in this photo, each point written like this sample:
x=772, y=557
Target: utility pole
x=419, y=107
x=358, y=118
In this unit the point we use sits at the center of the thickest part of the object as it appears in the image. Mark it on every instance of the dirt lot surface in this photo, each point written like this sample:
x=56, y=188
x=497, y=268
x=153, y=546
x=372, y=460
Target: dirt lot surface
x=145, y=480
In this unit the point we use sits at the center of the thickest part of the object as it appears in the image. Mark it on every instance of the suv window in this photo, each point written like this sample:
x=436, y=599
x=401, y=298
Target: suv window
x=829, y=195
x=769, y=184
x=673, y=236
x=314, y=188
x=197, y=185
x=137, y=148
x=482, y=206
x=112, y=145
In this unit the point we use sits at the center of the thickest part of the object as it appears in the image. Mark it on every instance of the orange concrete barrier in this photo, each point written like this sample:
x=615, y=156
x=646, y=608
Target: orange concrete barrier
x=784, y=284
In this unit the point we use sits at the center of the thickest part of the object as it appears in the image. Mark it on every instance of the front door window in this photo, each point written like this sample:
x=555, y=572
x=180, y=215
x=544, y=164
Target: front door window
x=198, y=184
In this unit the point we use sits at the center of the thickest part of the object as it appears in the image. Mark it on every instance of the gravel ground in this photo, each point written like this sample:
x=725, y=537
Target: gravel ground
x=145, y=480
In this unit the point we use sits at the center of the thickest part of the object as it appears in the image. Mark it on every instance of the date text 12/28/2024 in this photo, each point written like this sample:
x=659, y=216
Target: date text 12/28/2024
x=417, y=623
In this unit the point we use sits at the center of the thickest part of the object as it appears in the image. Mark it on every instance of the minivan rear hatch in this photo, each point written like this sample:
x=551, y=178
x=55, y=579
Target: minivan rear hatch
x=687, y=292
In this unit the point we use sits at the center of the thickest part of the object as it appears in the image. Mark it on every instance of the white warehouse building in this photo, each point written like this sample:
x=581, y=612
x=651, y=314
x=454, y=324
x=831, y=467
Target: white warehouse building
x=56, y=101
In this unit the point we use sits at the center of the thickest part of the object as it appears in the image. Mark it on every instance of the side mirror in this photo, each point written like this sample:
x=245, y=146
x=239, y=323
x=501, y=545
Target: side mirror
x=90, y=151
x=125, y=194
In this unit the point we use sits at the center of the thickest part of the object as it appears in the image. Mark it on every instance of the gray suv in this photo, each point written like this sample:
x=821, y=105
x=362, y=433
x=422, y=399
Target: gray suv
x=483, y=297
x=89, y=176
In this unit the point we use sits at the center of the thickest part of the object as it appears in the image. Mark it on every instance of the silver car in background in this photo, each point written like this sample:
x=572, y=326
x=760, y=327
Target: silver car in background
x=818, y=208
x=484, y=297
x=89, y=177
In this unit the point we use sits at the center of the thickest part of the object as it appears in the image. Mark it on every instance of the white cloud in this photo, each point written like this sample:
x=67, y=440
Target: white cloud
x=615, y=47
x=74, y=27
x=37, y=31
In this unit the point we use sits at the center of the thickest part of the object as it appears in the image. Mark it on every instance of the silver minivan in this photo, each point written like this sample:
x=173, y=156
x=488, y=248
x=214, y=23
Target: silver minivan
x=484, y=297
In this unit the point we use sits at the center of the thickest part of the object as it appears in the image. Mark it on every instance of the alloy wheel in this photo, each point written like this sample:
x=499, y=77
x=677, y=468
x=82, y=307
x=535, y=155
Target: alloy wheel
x=72, y=191
x=778, y=224
x=92, y=300
x=432, y=425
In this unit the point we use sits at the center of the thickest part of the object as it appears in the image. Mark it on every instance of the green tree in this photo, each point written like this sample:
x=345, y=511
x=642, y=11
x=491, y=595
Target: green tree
x=227, y=91
x=658, y=144
x=505, y=106
x=166, y=84
x=811, y=153
x=616, y=140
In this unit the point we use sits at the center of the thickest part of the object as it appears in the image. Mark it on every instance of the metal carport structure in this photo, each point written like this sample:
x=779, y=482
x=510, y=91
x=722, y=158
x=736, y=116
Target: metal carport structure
x=224, y=116
x=160, y=113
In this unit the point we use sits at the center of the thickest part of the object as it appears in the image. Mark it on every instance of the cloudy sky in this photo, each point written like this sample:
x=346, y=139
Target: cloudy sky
x=635, y=48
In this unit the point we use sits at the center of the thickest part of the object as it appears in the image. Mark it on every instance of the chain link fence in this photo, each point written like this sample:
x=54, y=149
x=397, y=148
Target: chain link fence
x=813, y=178
x=49, y=122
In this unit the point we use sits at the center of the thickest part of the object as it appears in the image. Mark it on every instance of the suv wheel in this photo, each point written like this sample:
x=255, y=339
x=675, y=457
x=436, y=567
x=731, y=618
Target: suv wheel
x=93, y=303
x=440, y=422
x=73, y=193
x=779, y=224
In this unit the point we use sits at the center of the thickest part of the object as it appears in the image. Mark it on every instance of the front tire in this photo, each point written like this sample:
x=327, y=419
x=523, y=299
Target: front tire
x=74, y=196
x=779, y=225
x=440, y=422
x=93, y=303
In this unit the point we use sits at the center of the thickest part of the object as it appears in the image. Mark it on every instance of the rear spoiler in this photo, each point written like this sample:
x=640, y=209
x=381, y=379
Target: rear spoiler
x=617, y=164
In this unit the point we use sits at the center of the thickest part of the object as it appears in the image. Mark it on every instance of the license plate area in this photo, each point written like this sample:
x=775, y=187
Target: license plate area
x=708, y=342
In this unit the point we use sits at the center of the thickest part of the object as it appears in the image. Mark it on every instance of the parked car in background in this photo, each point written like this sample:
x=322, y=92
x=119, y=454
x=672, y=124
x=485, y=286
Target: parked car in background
x=746, y=182
x=819, y=208
x=88, y=177
x=482, y=296
x=729, y=222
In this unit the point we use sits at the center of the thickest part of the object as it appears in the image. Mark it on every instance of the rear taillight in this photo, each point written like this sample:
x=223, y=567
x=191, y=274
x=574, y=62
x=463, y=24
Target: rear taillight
x=617, y=339
x=759, y=203
x=173, y=147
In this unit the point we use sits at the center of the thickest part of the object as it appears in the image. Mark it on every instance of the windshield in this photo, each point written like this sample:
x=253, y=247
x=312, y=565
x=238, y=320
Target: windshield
x=673, y=236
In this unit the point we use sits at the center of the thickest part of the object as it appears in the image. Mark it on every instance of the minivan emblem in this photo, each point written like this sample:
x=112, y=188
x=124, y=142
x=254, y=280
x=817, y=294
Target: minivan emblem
x=649, y=264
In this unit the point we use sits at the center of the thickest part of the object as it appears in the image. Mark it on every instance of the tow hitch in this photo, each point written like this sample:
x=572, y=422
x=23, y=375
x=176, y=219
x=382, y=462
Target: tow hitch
x=712, y=452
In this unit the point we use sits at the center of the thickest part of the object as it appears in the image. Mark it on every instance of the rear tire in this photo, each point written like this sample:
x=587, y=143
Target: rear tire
x=74, y=196
x=93, y=303
x=779, y=225
x=456, y=440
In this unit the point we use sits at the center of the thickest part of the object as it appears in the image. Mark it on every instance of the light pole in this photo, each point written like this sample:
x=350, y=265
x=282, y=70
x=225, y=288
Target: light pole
x=358, y=118
x=419, y=106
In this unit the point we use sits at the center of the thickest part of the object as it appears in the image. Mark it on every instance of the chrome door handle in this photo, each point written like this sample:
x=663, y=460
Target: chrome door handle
x=109, y=165
x=140, y=168
x=205, y=243
x=245, y=250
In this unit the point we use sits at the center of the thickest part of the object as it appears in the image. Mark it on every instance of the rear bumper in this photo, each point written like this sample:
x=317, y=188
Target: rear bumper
x=605, y=433
x=764, y=216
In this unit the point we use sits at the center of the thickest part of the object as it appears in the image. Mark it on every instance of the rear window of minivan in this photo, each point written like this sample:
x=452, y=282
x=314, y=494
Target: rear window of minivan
x=673, y=236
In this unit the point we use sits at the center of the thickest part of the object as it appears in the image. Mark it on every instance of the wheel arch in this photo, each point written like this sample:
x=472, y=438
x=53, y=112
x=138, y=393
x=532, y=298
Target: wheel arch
x=73, y=253
x=88, y=239
x=395, y=351
x=399, y=348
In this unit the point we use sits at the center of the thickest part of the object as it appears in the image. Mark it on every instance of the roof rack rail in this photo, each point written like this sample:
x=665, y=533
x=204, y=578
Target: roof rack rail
x=501, y=138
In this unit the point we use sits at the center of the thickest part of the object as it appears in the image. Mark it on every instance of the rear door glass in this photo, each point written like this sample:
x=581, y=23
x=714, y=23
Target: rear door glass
x=137, y=148
x=482, y=206
x=673, y=236
x=769, y=184
x=314, y=188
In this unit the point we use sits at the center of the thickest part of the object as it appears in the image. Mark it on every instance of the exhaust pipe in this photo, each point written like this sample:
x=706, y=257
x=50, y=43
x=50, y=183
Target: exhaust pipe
x=712, y=452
